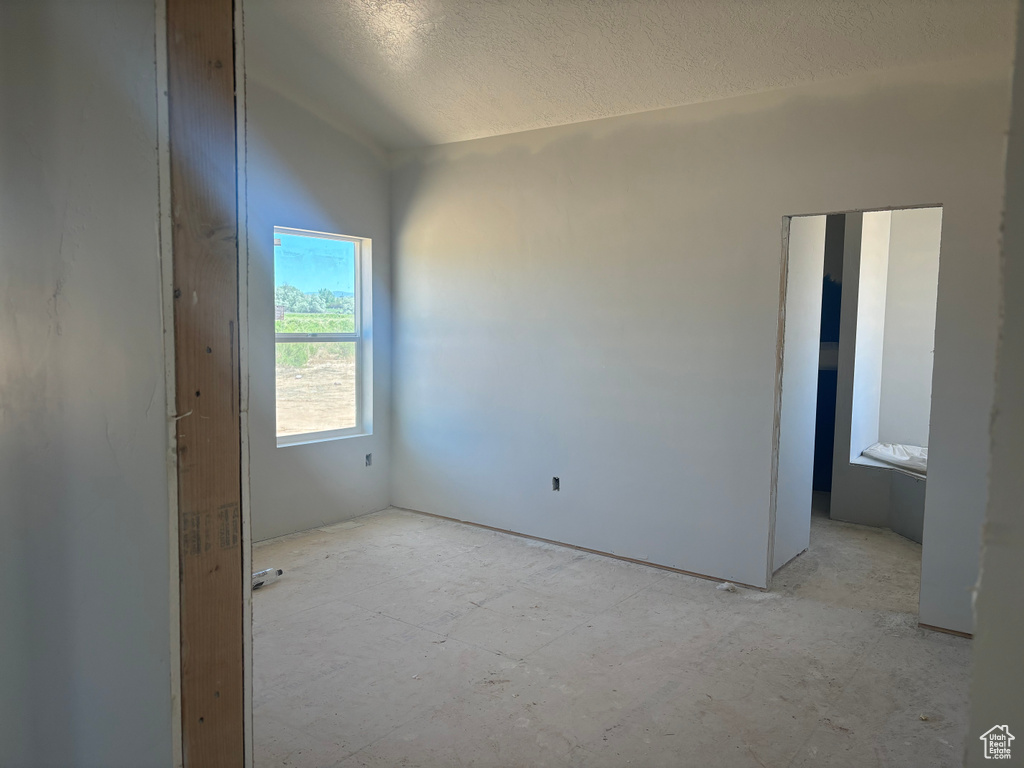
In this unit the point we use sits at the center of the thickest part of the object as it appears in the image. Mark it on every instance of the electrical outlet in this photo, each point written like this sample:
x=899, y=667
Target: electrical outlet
x=369, y=459
x=555, y=484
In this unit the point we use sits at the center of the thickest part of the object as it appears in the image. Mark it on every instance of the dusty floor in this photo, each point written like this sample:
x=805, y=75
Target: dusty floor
x=402, y=640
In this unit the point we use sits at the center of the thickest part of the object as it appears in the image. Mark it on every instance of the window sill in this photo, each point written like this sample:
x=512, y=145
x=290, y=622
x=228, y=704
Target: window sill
x=320, y=437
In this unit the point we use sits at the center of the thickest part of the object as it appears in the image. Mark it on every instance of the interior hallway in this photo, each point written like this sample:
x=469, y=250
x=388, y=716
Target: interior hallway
x=402, y=639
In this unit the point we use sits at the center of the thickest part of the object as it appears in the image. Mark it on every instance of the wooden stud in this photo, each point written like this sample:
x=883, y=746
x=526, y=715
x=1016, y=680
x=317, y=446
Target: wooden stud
x=201, y=111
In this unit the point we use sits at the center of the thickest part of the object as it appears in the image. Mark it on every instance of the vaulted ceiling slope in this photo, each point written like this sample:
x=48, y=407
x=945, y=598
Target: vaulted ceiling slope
x=419, y=72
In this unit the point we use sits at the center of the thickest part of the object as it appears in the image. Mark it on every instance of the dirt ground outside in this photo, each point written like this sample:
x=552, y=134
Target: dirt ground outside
x=317, y=396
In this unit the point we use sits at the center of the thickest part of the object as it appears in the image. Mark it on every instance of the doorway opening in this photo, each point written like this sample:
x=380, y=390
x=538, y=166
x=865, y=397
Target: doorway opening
x=857, y=333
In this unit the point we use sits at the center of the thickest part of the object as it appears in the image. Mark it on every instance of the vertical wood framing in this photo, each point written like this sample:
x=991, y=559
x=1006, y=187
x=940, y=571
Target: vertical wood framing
x=201, y=107
x=241, y=159
x=167, y=315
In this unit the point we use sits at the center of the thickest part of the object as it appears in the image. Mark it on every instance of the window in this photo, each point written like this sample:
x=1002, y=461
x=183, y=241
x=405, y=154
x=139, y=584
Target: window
x=322, y=323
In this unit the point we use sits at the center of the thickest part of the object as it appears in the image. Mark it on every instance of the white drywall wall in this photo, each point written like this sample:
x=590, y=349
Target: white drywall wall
x=308, y=174
x=85, y=644
x=599, y=301
x=860, y=494
x=804, y=272
x=998, y=675
x=911, y=291
x=870, y=303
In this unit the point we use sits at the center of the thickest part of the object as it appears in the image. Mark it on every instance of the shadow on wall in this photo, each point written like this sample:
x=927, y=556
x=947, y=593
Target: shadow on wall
x=281, y=57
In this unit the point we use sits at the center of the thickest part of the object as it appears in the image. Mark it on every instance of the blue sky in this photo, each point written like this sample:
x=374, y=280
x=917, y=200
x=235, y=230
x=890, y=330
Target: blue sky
x=311, y=263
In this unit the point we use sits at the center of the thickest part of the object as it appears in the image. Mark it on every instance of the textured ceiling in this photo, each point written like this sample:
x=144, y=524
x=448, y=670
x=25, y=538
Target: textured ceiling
x=414, y=72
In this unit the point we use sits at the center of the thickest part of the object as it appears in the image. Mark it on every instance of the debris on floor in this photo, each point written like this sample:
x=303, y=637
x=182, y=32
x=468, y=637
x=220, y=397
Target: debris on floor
x=726, y=586
x=266, y=576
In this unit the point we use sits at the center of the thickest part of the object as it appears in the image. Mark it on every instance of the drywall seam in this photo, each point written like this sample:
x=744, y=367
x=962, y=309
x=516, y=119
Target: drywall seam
x=241, y=211
x=780, y=351
x=166, y=256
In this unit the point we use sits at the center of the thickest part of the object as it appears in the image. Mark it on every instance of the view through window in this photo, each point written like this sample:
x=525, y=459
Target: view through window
x=319, y=332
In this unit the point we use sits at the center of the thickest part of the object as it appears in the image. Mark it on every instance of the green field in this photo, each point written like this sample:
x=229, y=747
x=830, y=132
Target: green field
x=318, y=322
x=300, y=354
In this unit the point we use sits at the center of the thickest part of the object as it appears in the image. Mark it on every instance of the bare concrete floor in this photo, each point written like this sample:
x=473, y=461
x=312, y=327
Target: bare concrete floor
x=398, y=639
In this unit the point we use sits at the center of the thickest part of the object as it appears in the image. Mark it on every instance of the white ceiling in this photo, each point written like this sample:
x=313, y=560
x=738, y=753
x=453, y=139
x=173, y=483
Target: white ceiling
x=414, y=72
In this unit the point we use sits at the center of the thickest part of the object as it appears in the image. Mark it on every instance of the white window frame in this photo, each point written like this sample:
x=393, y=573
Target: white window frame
x=362, y=336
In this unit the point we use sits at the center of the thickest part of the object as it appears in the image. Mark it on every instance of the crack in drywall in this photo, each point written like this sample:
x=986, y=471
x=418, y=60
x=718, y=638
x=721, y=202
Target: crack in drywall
x=152, y=396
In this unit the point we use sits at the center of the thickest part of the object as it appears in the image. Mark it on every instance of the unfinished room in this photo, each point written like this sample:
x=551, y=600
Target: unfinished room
x=511, y=383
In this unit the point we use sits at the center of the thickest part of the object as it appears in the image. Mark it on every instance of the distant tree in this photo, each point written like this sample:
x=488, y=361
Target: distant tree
x=289, y=297
x=327, y=295
x=311, y=303
x=294, y=300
